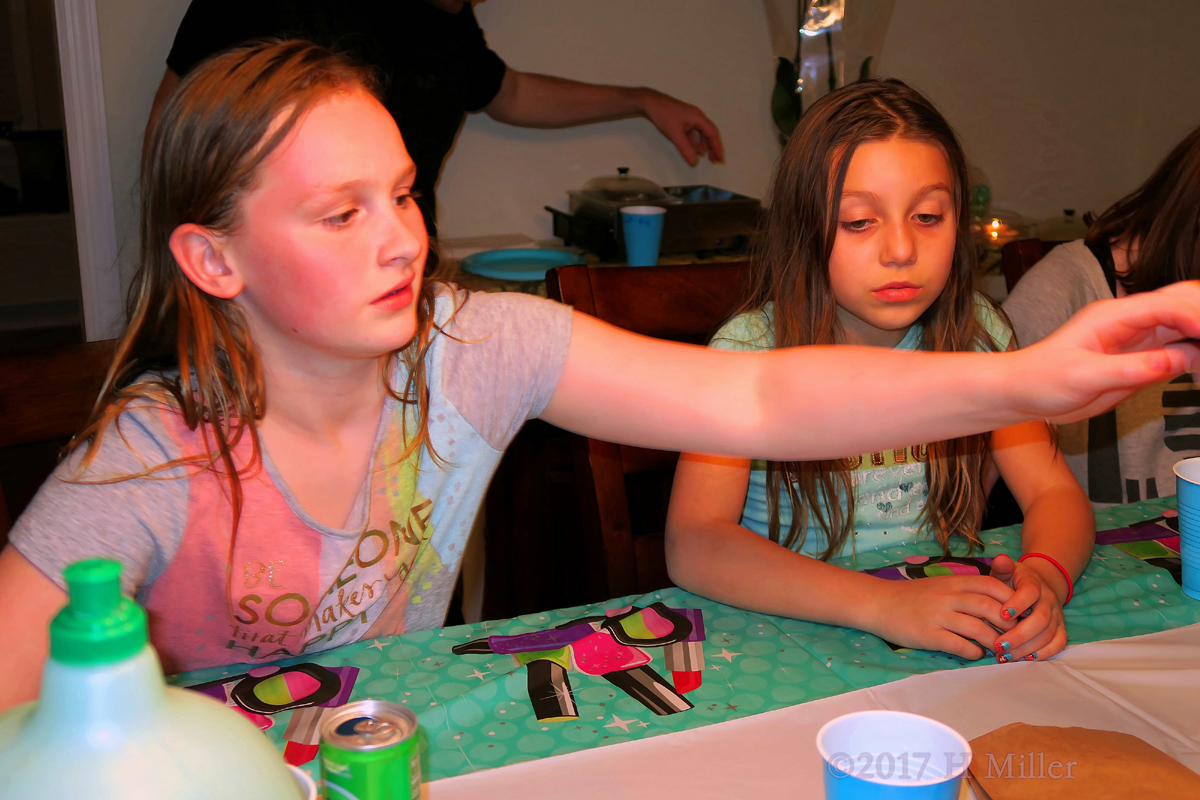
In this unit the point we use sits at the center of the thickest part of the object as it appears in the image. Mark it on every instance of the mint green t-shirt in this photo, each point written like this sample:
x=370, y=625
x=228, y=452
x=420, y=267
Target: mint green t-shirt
x=890, y=487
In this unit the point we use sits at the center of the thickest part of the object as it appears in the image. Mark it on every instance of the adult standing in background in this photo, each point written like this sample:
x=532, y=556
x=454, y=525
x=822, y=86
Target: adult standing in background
x=435, y=67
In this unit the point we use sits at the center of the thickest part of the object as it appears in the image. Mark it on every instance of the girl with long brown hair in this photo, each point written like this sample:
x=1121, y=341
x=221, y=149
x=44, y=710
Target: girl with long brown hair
x=297, y=429
x=866, y=242
x=1146, y=240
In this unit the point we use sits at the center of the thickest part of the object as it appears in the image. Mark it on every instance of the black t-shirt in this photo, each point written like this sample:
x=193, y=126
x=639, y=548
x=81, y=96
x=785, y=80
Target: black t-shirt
x=433, y=66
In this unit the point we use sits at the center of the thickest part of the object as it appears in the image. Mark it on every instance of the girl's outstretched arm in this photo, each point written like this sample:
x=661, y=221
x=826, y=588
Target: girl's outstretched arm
x=1059, y=523
x=710, y=554
x=825, y=402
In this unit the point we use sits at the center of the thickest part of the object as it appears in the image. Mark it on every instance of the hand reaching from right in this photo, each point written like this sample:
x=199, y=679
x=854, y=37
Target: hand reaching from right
x=1107, y=351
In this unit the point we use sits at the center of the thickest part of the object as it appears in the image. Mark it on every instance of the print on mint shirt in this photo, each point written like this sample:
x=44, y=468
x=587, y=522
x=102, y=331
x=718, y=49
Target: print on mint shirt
x=891, y=489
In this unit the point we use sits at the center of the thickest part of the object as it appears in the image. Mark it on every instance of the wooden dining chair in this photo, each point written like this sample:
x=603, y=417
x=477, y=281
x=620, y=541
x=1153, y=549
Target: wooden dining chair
x=45, y=398
x=623, y=490
x=1020, y=256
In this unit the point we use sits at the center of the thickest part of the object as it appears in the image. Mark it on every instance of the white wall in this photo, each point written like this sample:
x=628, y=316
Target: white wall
x=135, y=37
x=715, y=54
x=1069, y=103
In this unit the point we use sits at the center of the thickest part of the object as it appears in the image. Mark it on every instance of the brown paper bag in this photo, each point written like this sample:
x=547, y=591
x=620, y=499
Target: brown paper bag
x=1034, y=761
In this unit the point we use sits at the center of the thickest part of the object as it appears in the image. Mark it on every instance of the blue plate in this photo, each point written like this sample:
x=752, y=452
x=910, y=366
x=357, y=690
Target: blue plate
x=518, y=263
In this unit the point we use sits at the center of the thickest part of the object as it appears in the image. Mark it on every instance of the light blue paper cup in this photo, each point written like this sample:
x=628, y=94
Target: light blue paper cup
x=1187, y=497
x=643, y=227
x=892, y=755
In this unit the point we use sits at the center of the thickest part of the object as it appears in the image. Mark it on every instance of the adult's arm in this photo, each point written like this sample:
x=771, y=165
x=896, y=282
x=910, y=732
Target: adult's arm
x=542, y=101
x=823, y=402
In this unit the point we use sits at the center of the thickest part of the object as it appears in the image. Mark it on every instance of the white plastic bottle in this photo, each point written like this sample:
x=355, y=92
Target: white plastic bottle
x=108, y=727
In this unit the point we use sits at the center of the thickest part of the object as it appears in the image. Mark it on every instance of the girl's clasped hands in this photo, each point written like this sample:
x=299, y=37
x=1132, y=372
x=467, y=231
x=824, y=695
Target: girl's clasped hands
x=1015, y=613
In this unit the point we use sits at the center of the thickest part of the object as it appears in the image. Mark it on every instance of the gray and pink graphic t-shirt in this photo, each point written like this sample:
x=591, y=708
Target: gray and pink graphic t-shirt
x=286, y=584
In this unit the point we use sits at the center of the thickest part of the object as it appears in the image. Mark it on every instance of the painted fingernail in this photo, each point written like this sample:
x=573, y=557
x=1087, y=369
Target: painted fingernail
x=1008, y=613
x=1004, y=658
x=1031, y=657
x=1005, y=646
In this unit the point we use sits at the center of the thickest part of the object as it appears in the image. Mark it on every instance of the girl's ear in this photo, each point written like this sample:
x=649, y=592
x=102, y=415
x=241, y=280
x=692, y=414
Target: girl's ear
x=201, y=255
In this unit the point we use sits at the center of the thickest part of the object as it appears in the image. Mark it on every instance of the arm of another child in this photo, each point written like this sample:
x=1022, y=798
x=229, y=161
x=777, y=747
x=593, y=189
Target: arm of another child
x=824, y=402
x=710, y=554
x=1058, y=522
x=27, y=633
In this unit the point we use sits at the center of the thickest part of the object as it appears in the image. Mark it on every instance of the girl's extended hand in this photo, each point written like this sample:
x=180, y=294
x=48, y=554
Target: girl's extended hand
x=951, y=613
x=1041, y=634
x=1108, y=350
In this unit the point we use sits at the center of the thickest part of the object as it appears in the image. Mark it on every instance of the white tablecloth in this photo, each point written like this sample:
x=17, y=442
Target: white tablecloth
x=1148, y=686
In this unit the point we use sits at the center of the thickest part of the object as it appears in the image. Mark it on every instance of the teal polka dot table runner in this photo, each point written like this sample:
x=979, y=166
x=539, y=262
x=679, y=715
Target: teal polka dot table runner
x=609, y=672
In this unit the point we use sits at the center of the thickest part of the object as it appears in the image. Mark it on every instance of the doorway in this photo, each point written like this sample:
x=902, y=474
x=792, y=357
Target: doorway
x=40, y=292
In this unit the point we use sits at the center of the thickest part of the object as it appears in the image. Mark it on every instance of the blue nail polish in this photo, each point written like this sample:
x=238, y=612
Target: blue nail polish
x=1005, y=646
x=1003, y=658
x=1010, y=612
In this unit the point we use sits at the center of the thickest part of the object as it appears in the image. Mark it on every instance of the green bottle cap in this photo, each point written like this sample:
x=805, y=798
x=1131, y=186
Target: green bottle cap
x=97, y=625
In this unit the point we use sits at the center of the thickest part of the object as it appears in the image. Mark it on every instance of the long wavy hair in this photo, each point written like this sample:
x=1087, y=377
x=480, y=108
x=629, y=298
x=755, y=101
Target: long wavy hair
x=1162, y=218
x=791, y=263
x=184, y=349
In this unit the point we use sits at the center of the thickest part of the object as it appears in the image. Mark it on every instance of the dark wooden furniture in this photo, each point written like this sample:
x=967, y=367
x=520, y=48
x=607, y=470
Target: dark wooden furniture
x=1020, y=256
x=624, y=491
x=44, y=399
x=534, y=549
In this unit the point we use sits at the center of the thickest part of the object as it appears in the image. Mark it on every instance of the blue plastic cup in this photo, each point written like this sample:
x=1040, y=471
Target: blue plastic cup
x=1189, y=574
x=1189, y=519
x=643, y=227
x=892, y=755
x=1182, y=507
x=1187, y=496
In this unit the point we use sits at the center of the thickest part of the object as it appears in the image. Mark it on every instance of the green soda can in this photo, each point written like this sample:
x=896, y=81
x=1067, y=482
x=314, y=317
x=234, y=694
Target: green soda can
x=369, y=752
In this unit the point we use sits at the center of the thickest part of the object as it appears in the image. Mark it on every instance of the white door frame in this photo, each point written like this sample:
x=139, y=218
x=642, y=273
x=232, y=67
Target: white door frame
x=91, y=177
